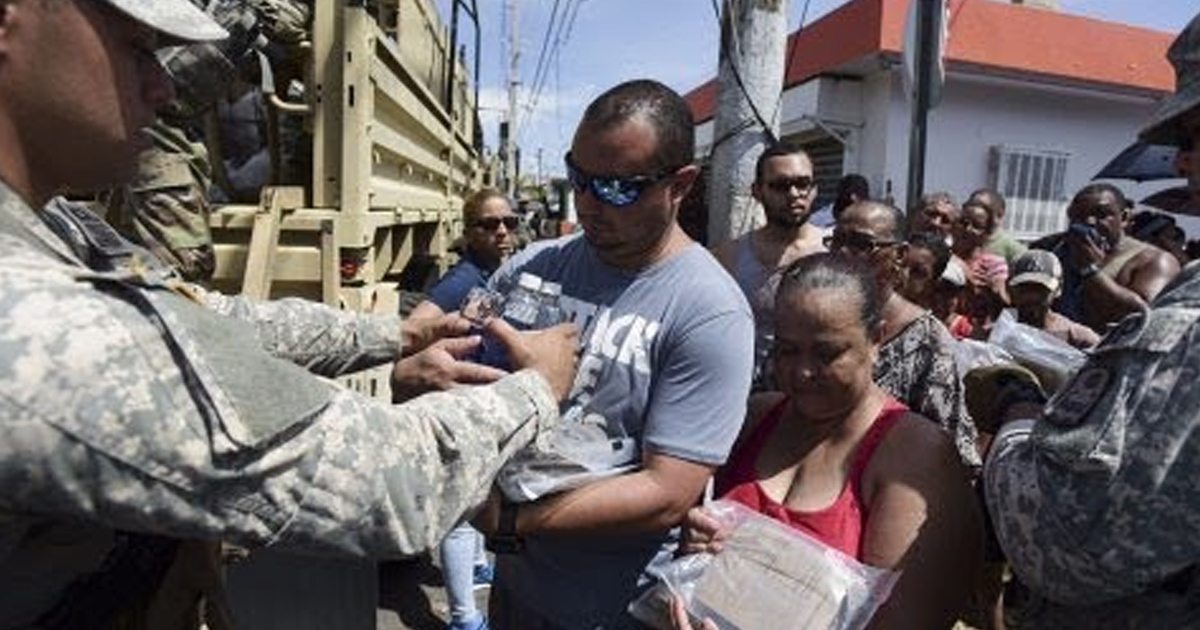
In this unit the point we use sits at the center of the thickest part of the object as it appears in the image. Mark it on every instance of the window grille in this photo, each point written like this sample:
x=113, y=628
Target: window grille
x=1033, y=183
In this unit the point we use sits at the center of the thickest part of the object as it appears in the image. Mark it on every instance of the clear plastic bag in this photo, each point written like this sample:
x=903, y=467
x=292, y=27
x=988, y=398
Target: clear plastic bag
x=768, y=576
x=580, y=451
x=1047, y=356
x=972, y=353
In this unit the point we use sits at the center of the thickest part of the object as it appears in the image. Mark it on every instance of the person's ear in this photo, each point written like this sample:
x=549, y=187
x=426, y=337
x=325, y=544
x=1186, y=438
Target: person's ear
x=756, y=191
x=683, y=180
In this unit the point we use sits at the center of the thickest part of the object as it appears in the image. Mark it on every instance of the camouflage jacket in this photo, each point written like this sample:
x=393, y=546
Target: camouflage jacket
x=126, y=406
x=326, y=341
x=1095, y=503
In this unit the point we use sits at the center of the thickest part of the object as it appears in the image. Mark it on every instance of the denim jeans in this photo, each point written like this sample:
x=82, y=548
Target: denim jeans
x=461, y=551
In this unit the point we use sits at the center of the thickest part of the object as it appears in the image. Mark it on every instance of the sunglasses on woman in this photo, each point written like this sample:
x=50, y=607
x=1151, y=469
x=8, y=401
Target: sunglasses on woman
x=610, y=189
x=491, y=224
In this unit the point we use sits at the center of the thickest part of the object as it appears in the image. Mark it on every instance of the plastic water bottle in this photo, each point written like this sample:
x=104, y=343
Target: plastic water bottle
x=551, y=312
x=521, y=308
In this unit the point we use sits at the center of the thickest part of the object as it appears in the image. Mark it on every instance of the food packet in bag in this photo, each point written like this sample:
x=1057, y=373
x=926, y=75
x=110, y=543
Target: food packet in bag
x=768, y=576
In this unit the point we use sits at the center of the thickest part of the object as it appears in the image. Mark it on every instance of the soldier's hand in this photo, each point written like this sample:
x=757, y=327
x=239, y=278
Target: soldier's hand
x=419, y=332
x=440, y=367
x=552, y=352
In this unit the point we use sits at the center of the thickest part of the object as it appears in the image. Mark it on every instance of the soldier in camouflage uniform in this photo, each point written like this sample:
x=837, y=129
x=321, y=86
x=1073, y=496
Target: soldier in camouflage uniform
x=1095, y=502
x=134, y=416
x=166, y=205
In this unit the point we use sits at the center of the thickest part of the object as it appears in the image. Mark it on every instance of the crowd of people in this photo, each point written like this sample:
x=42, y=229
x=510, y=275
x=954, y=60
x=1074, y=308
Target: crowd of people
x=811, y=373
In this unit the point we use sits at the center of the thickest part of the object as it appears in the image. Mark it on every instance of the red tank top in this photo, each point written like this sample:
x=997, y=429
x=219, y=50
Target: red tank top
x=841, y=524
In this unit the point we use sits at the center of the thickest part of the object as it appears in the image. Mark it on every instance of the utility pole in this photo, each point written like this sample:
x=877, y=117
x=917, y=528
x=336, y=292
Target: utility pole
x=750, y=86
x=926, y=89
x=539, y=166
x=514, y=81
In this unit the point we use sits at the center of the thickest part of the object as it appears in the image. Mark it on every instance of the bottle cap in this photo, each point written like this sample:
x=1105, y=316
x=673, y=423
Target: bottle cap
x=529, y=281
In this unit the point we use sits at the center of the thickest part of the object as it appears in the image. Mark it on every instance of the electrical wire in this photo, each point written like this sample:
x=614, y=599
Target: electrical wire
x=758, y=117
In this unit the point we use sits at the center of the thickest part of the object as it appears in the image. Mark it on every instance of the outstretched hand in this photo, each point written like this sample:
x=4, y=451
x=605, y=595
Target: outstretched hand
x=552, y=352
x=420, y=332
x=440, y=366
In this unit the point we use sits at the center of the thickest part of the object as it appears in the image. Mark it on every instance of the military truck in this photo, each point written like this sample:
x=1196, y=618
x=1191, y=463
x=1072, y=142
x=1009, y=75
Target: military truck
x=391, y=113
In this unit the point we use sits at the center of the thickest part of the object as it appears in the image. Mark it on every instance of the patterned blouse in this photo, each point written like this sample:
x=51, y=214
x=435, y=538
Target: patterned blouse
x=917, y=366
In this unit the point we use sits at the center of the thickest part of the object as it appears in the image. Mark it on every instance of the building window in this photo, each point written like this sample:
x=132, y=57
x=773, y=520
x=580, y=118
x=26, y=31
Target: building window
x=1033, y=184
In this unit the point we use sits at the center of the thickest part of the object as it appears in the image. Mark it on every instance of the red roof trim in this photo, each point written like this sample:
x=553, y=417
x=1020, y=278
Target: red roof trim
x=1013, y=39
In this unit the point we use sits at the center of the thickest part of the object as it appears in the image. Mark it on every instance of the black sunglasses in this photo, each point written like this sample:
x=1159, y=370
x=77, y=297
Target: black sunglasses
x=491, y=224
x=611, y=189
x=784, y=186
x=855, y=242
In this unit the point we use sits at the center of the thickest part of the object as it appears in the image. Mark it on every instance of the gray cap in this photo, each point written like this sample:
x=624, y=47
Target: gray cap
x=179, y=20
x=1184, y=54
x=1036, y=266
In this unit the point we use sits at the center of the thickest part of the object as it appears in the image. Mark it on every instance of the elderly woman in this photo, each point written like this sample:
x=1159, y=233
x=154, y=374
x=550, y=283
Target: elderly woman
x=832, y=454
x=916, y=354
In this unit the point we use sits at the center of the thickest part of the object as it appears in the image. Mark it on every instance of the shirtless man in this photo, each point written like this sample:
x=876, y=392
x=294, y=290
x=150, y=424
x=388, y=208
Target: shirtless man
x=1108, y=274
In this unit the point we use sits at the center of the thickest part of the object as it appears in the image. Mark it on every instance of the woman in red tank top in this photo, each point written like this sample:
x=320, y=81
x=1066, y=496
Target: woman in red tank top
x=833, y=455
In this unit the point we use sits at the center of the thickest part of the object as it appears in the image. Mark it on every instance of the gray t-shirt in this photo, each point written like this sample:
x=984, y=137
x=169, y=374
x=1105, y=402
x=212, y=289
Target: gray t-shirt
x=666, y=362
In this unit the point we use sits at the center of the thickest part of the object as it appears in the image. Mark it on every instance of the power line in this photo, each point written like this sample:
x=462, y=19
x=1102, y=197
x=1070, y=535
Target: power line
x=737, y=77
x=566, y=26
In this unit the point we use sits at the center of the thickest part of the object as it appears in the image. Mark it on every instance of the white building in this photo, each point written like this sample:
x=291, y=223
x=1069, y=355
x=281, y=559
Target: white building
x=1035, y=103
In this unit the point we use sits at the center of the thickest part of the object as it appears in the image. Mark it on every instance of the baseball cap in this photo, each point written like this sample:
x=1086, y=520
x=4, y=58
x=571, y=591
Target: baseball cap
x=1037, y=266
x=179, y=20
x=1164, y=126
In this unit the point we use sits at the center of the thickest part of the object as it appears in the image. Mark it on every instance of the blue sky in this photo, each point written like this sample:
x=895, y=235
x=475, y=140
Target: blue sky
x=674, y=41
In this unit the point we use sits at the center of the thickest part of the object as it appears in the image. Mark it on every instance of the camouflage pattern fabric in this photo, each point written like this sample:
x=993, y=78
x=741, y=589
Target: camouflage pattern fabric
x=165, y=207
x=1095, y=502
x=324, y=340
x=116, y=417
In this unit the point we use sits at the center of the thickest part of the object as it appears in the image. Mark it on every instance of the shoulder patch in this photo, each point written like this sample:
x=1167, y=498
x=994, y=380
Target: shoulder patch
x=1078, y=396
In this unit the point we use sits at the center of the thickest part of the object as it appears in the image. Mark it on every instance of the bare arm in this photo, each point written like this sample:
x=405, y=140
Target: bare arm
x=1151, y=271
x=924, y=521
x=655, y=498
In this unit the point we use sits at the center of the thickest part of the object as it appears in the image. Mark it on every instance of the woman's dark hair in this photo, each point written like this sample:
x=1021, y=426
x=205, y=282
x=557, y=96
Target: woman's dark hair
x=847, y=274
x=474, y=204
x=934, y=244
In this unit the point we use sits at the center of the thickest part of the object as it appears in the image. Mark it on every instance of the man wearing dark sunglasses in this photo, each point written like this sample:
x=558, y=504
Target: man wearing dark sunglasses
x=916, y=361
x=663, y=379
x=784, y=186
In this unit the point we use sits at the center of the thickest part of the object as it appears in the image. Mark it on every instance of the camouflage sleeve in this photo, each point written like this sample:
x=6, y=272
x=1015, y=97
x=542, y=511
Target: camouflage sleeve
x=322, y=339
x=1096, y=499
x=103, y=424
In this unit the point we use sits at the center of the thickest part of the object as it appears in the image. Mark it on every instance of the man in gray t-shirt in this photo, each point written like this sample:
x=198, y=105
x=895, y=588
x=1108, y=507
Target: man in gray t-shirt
x=664, y=373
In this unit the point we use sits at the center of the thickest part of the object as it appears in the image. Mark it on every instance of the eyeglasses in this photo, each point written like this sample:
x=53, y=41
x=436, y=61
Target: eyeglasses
x=491, y=224
x=784, y=186
x=610, y=189
x=859, y=242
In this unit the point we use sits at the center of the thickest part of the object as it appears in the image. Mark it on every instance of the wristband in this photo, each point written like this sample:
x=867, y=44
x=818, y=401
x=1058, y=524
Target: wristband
x=1088, y=271
x=505, y=539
